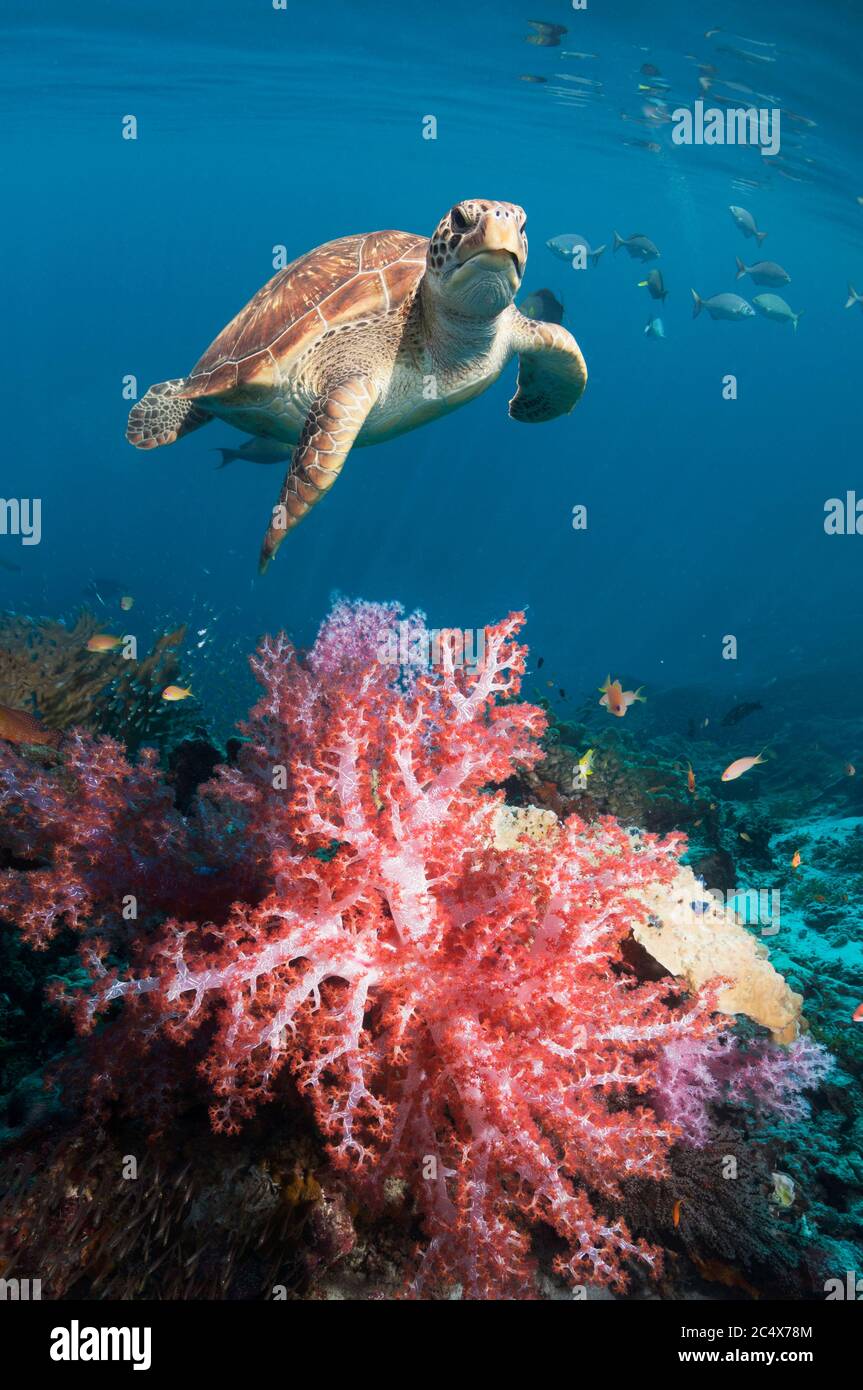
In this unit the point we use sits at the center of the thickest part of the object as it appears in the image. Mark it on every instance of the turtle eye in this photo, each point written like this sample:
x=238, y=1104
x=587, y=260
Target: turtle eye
x=459, y=221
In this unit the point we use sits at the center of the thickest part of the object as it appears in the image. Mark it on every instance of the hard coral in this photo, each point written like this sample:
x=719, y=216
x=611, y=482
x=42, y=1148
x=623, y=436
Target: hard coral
x=454, y=1012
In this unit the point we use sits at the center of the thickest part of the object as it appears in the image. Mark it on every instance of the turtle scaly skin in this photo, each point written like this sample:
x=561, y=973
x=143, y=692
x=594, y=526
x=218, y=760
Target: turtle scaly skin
x=365, y=338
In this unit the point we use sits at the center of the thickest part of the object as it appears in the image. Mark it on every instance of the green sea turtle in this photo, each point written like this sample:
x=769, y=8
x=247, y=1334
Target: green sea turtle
x=366, y=337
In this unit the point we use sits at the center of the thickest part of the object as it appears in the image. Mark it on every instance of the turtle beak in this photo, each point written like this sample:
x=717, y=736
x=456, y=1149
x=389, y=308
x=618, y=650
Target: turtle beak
x=498, y=240
x=501, y=234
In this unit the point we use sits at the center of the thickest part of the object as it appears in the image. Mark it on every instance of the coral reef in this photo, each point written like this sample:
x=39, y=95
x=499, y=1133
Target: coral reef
x=98, y=1215
x=727, y=1227
x=701, y=945
x=698, y=1074
x=693, y=938
x=45, y=666
x=445, y=986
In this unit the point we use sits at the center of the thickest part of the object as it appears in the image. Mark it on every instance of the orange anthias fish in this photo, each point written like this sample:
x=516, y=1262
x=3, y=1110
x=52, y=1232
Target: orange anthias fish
x=616, y=699
x=857, y=1016
x=176, y=692
x=104, y=642
x=676, y=1212
x=18, y=726
x=796, y=860
x=741, y=765
x=690, y=779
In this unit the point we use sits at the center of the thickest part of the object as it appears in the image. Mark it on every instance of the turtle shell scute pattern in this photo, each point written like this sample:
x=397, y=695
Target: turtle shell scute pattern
x=353, y=278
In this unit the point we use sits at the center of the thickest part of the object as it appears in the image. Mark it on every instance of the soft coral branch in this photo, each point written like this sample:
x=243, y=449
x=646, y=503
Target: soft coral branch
x=458, y=1015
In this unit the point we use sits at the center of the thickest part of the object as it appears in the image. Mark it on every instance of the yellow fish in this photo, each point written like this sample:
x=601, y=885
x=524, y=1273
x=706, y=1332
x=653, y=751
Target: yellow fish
x=783, y=1189
x=176, y=692
x=585, y=762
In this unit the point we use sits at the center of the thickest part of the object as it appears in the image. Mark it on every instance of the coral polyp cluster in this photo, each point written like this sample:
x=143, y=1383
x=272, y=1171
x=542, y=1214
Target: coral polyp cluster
x=339, y=920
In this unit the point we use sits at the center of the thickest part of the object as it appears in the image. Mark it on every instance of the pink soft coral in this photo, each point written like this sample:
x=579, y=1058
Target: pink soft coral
x=459, y=1016
x=762, y=1076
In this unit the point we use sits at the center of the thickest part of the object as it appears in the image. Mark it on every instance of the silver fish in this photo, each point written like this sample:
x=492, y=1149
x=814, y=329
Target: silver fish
x=763, y=272
x=655, y=329
x=256, y=450
x=772, y=307
x=746, y=223
x=640, y=247
x=744, y=55
x=853, y=298
x=566, y=245
x=723, y=306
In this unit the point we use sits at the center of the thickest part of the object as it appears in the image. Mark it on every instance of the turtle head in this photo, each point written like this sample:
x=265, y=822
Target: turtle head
x=476, y=257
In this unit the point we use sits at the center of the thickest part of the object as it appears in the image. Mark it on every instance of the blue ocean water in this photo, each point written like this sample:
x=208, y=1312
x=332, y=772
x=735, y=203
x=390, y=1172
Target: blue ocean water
x=260, y=127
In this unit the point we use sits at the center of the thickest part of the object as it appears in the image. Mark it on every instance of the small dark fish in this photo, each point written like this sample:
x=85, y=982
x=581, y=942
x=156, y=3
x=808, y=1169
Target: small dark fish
x=8, y=565
x=699, y=908
x=562, y=694
x=650, y=70
x=723, y=306
x=640, y=247
x=256, y=450
x=795, y=116
x=738, y=712
x=540, y=663
x=547, y=35
x=764, y=273
x=542, y=305
x=531, y=77
x=654, y=285
x=650, y=145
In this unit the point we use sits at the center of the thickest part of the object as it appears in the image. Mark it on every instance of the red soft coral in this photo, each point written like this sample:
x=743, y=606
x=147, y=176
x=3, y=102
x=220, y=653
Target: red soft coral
x=458, y=1014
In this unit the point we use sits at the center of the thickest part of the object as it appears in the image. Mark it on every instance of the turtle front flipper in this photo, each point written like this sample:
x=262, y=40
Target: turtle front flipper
x=163, y=415
x=551, y=371
x=331, y=427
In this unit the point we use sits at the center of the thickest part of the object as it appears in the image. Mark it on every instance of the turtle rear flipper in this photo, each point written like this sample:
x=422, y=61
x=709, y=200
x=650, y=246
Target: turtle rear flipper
x=162, y=415
x=332, y=425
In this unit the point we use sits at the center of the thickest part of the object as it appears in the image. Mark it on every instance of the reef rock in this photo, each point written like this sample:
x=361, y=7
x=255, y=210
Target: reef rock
x=711, y=944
